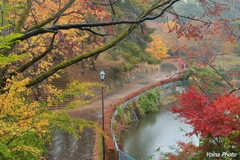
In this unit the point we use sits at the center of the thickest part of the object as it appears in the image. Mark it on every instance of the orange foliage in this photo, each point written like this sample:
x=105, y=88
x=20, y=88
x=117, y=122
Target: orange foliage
x=187, y=150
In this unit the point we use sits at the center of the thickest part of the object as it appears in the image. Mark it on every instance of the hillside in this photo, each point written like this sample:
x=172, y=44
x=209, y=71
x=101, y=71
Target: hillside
x=116, y=77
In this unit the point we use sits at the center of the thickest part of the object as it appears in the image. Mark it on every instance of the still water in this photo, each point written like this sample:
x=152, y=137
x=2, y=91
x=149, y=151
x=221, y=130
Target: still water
x=153, y=131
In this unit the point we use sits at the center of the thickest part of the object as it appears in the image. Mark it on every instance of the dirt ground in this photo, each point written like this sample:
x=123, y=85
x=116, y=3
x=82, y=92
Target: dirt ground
x=64, y=147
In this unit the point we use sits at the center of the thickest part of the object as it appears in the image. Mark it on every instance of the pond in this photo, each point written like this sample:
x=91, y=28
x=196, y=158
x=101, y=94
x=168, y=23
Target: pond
x=153, y=131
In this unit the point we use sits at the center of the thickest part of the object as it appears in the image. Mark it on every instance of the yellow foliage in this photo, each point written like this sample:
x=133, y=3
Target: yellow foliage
x=14, y=106
x=25, y=122
x=157, y=48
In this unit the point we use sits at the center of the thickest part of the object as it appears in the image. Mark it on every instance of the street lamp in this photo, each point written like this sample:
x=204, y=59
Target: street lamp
x=102, y=76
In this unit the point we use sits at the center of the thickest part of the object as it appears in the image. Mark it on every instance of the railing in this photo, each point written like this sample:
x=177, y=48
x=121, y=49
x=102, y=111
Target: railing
x=121, y=154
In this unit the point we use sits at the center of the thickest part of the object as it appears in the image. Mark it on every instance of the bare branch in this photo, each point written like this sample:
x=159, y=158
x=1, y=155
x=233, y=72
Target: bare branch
x=104, y=4
x=234, y=90
x=34, y=18
x=223, y=76
x=190, y=18
x=96, y=33
x=113, y=11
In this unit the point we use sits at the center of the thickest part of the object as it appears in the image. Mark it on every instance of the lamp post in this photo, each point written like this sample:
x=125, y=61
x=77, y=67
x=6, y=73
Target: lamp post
x=102, y=76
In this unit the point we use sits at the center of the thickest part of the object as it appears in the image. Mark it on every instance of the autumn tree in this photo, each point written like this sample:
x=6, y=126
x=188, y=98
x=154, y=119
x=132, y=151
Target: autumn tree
x=26, y=124
x=215, y=120
x=210, y=104
x=157, y=48
x=203, y=32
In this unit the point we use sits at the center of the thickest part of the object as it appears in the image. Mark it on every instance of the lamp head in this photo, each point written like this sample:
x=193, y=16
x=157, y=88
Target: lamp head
x=102, y=75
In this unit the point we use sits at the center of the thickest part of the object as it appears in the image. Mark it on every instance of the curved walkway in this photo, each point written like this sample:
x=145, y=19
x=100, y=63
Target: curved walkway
x=83, y=149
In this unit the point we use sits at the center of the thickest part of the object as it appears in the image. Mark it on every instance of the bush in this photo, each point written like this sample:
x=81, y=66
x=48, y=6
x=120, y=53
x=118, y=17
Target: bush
x=149, y=101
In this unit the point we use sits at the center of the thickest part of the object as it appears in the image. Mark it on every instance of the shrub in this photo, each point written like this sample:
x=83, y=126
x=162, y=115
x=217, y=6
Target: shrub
x=149, y=101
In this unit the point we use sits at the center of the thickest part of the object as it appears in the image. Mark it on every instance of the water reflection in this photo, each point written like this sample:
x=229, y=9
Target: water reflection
x=153, y=131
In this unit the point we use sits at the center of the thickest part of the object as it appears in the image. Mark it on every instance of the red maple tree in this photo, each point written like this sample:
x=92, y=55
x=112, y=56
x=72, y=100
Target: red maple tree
x=210, y=116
